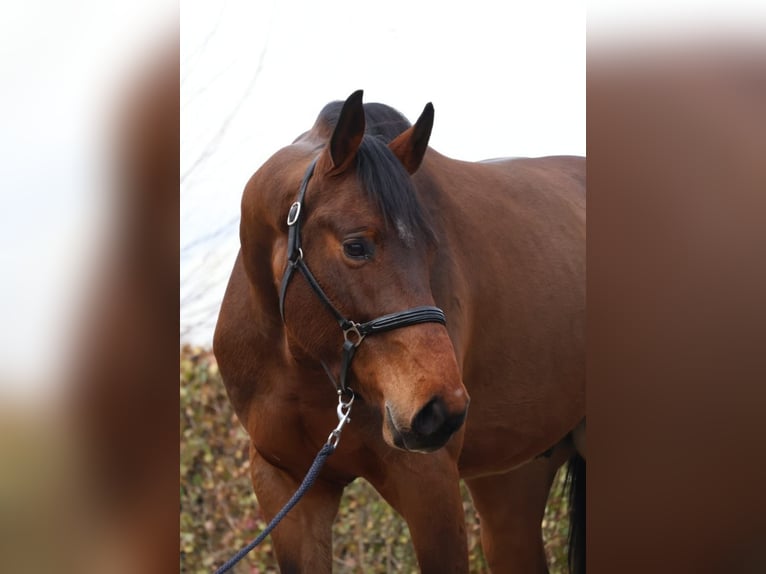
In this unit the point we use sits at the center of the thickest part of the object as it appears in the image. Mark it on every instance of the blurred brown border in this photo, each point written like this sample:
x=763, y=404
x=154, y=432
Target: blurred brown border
x=125, y=398
x=676, y=306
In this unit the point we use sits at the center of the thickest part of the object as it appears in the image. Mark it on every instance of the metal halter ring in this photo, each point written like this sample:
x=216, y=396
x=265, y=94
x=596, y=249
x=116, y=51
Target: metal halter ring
x=352, y=334
x=294, y=213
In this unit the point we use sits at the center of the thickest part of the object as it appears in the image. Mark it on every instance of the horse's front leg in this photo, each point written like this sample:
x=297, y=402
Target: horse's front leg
x=303, y=540
x=425, y=490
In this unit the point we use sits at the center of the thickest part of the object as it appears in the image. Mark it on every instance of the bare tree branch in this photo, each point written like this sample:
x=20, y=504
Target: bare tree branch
x=207, y=272
x=215, y=141
x=208, y=237
x=202, y=46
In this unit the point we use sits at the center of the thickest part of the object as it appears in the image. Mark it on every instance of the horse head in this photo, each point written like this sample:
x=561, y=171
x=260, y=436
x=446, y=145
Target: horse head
x=367, y=242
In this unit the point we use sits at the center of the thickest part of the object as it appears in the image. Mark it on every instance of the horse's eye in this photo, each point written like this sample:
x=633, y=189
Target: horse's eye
x=356, y=249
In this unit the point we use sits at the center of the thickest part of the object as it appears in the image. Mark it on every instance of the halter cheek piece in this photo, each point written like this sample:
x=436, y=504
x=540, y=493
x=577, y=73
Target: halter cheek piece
x=353, y=332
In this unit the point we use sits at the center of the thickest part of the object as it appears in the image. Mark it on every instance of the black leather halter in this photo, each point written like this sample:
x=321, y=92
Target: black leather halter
x=353, y=332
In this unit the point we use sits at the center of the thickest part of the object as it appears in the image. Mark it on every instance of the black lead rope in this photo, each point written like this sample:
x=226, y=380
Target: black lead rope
x=353, y=335
x=344, y=417
x=319, y=461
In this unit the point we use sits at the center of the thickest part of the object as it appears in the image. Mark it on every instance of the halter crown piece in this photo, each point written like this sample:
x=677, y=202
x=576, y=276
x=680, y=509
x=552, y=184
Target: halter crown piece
x=353, y=332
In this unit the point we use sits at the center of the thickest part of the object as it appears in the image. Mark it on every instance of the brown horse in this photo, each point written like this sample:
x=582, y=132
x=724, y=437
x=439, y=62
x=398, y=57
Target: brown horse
x=387, y=225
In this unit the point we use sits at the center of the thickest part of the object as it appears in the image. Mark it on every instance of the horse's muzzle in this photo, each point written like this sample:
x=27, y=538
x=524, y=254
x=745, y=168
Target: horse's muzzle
x=430, y=428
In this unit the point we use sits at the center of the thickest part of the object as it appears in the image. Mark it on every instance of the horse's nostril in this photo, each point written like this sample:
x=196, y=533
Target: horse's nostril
x=430, y=418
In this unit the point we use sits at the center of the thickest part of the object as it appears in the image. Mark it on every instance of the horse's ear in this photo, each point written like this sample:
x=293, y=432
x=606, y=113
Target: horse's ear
x=347, y=135
x=410, y=146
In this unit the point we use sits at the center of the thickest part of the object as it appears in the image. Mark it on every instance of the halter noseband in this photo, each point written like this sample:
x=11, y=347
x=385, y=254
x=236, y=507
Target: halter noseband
x=353, y=332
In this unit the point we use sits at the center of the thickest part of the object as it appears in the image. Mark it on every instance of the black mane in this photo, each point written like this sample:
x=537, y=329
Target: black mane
x=381, y=173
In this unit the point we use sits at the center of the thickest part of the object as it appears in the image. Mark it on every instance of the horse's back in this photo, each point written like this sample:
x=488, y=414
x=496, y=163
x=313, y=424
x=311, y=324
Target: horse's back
x=534, y=199
x=514, y=202
x=565, y=173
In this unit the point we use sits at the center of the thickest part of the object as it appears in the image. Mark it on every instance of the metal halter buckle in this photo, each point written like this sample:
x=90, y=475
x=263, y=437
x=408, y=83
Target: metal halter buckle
x=352, y=335
x=294, y=213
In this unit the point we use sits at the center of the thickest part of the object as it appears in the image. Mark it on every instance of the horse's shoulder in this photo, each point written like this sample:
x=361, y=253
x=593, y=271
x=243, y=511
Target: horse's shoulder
x=239, y=335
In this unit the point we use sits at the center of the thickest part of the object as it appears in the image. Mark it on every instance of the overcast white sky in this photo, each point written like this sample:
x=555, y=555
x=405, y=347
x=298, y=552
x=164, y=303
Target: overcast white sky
x=506, y=79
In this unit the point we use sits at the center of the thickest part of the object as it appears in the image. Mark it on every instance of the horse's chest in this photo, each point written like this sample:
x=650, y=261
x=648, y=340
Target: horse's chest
x=284, y=429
